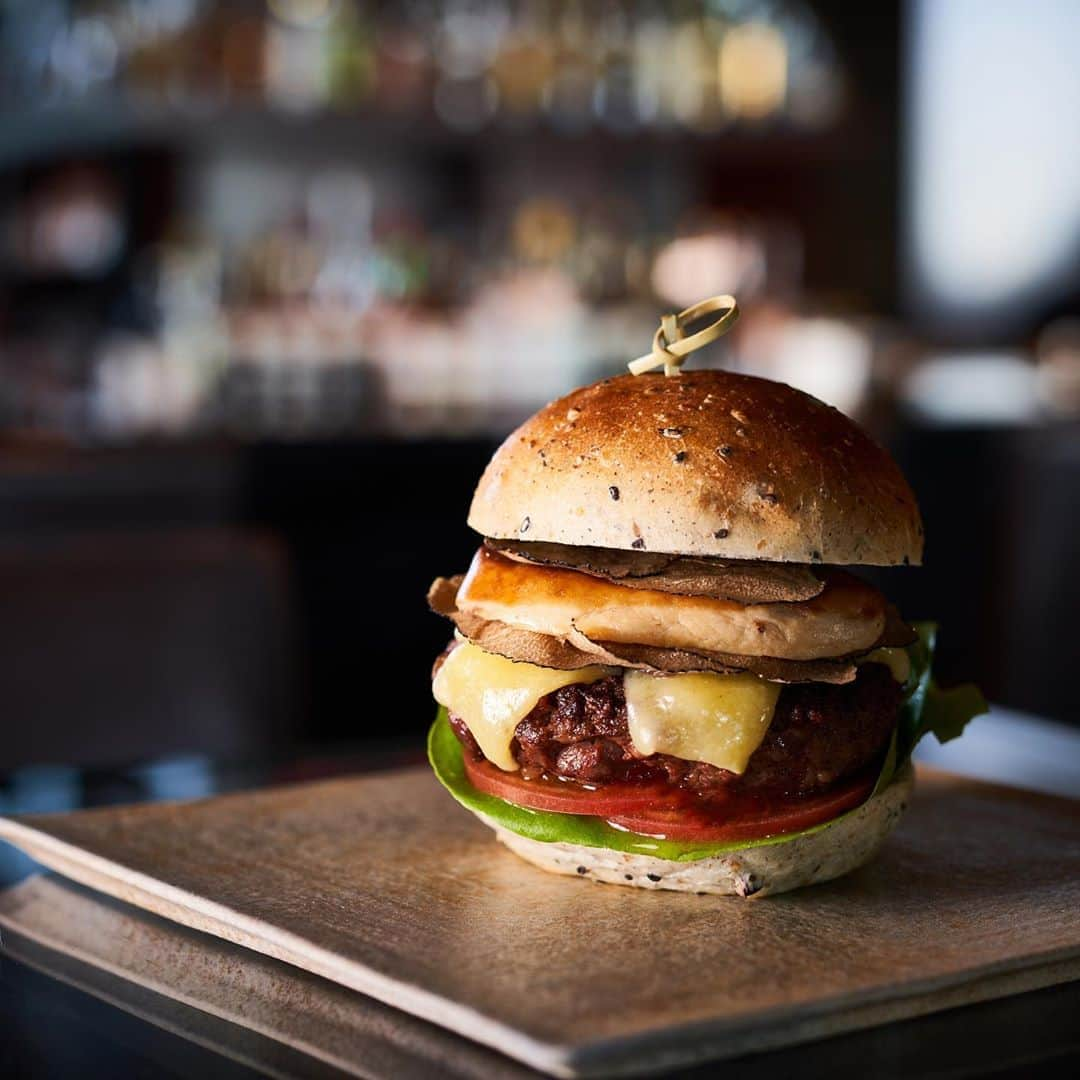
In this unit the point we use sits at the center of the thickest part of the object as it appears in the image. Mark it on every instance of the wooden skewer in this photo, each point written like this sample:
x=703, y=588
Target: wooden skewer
x=670, y=346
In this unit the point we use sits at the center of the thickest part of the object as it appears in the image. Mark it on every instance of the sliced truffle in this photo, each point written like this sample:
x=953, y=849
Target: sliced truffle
x=743, y=580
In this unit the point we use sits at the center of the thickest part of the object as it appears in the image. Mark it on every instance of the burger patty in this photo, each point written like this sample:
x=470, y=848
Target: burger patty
x=819, y=734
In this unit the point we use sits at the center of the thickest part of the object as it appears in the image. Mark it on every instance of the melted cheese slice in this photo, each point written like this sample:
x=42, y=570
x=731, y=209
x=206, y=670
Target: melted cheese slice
x=720, y=719
x=492, y=695
x=896, y=660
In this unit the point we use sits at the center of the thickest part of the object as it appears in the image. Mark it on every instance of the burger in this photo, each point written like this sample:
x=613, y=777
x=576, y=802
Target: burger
x=665, y=671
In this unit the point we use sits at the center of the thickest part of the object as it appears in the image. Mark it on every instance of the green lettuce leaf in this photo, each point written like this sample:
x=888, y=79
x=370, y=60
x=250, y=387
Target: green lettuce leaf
x=925, y=708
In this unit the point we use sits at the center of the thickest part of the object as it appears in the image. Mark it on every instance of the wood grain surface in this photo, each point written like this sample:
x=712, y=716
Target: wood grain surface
x=273, y=1017
x=385, y=886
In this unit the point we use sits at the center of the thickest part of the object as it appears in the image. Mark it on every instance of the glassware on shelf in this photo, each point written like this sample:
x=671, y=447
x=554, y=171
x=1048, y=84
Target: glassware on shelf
x=617, y=65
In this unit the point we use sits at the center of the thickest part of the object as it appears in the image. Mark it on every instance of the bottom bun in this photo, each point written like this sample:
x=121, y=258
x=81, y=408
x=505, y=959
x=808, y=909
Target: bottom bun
x=755, y=871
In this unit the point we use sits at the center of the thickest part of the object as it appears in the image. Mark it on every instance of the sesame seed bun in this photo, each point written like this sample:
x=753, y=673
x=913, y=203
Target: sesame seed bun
x=701, y=463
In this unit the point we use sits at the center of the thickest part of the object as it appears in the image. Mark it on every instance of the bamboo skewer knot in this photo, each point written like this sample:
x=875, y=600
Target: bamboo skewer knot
x=670, y=346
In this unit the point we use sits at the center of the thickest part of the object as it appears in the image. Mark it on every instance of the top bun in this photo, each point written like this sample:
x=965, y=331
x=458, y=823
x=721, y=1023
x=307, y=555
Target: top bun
x=700, y=463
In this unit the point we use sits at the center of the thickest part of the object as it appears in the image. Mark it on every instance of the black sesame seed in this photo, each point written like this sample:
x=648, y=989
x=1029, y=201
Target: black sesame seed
x=629, y=877
x=815, y=556
x=721, y=534
x=639, y=544
x=680, y=457
x=769, y=498
x=653, y=877
x=582, y=869
x=525, y=523
x=613, y=491
x=724, y=451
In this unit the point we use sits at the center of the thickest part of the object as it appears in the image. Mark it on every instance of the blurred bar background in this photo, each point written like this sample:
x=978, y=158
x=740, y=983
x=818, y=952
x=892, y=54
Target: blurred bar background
x=277, y=275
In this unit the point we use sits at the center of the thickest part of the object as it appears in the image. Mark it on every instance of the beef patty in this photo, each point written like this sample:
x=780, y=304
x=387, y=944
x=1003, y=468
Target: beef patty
x=819, y=734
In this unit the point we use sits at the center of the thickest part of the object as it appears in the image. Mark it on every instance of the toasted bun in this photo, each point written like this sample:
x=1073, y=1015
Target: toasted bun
x=758, y=871
x=701, y=463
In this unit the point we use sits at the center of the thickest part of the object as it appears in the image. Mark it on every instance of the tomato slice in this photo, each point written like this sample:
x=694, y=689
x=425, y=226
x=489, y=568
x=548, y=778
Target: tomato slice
x=563, y=797
x=745, y=818
x=663, y=812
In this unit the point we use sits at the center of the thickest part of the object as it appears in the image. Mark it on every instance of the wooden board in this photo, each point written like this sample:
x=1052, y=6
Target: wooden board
x=385, y=886
x=284, y=1022
x=273, y=1017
